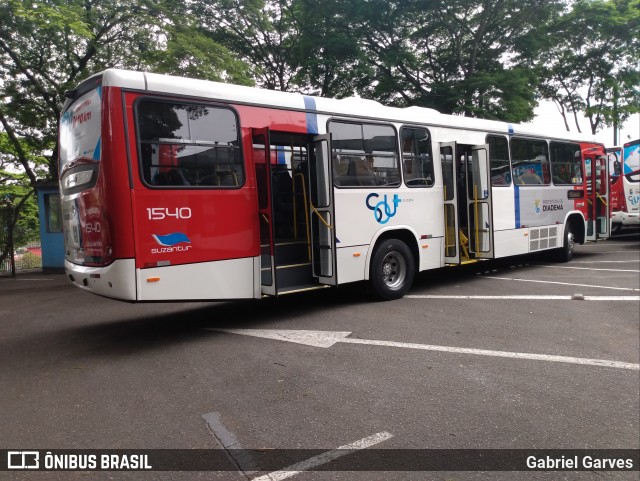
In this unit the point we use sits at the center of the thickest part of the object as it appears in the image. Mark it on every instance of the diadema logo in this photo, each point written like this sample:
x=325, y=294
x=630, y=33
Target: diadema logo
x=537, y=204
x=174, y=242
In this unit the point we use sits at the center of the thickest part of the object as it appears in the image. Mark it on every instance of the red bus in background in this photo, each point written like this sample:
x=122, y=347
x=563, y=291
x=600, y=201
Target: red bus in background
x=624, y=167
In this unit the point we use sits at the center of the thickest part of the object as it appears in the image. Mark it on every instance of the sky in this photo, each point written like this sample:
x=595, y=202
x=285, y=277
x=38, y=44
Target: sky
x=548, y=117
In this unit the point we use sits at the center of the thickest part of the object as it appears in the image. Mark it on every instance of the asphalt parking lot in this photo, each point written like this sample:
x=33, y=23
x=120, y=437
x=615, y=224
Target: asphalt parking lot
x=520, y=354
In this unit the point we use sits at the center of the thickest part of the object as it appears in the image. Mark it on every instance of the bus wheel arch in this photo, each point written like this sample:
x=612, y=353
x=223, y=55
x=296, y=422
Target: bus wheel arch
x=393, y=264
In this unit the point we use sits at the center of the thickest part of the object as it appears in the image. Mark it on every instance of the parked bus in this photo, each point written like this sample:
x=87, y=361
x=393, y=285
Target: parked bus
x=182, y=189
x=625, y=185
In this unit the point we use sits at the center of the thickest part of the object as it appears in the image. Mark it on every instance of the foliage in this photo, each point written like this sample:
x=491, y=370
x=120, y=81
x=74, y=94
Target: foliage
x=591, y=62
x=48, y=46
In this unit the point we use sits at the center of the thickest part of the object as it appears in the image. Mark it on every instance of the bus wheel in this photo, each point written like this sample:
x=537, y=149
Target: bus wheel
x=392, y=270
x=616, y=228
x=565, y=253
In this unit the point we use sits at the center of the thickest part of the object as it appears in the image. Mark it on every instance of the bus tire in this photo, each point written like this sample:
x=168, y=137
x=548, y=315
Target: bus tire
x=616, y=228
x=392, y=270
x=565, y=253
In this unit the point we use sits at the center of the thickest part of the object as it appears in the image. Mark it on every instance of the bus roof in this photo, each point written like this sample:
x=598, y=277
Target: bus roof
x=348, y=107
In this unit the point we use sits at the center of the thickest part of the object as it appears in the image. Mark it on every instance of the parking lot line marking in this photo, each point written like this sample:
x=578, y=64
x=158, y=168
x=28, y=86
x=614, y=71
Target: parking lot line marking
x=588, y=268
x=299, y=336
x=561, y=283
x=527, y=297
x=309, y=338
x=606, y=262
x=485, y=352
x=325, y=458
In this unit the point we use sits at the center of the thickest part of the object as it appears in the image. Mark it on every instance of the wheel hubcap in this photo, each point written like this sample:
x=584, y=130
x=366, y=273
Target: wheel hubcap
x=394, y=270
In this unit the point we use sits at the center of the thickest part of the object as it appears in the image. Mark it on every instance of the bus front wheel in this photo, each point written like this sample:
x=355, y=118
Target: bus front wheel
x=565, y=253
x=392, y=270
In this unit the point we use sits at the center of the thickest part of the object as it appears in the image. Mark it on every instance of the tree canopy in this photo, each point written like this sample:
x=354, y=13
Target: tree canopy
x=486, y=58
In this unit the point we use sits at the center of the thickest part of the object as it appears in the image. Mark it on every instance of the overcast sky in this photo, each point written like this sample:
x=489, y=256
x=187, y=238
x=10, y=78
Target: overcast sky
x=548, y=117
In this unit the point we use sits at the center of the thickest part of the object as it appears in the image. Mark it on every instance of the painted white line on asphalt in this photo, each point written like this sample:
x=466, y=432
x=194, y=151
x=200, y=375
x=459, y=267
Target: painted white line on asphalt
x=606, y=262
x=325, y=458
x=485, y=352
x=309, y=338
x=523, y=297
x=561, y=283
x=332, y=338
x=587, y=268
x=596, y=244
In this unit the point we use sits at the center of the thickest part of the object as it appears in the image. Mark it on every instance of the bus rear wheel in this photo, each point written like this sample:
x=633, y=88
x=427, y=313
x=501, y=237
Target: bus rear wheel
x=392, y=270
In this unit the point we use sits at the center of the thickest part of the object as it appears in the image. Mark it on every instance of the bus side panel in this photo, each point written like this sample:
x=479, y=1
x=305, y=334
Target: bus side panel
x=503, y=209
x=191, y=225
x=547, y=205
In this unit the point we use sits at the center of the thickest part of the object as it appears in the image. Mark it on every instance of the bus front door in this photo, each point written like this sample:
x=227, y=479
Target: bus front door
x=321, y=211
x=599, y=221
x=451, y=227
x=262, y=163
x=479, y=203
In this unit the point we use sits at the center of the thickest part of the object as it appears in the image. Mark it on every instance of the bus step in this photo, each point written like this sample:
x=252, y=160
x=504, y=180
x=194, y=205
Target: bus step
x=292, y=253
x=301, y=288
x=294, y=275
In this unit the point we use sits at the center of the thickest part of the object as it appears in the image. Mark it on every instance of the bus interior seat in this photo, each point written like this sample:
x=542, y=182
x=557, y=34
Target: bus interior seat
x=360, y=171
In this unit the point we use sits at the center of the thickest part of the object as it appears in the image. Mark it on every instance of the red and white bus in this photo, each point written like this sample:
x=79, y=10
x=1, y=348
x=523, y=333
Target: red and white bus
x=182, y=189
x=624, y=165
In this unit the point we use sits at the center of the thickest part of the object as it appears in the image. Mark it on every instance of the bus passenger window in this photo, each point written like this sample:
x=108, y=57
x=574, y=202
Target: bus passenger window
x=417, y=160
x=566, y=163
x=530, y=162
x=500, y=167
x=188, y=145
x=364, y=155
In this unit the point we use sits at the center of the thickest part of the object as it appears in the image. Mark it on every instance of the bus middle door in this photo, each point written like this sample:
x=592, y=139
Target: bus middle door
x=451, y=223
x=479, y=204
x=262, y=162
x=322, y=212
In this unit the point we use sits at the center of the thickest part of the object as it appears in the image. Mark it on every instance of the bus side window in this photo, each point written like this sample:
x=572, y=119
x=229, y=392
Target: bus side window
x=417, y=161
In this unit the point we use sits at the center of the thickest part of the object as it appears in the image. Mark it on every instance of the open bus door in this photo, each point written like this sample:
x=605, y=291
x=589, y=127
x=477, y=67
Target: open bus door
x=322, y=212
x=479, y=203
x=262, y=162
x=451, y=224
x=597, y=177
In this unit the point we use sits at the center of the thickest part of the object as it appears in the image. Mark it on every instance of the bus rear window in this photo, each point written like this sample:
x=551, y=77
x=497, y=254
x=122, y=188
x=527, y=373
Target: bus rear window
x=80, y=129
x=188, y=145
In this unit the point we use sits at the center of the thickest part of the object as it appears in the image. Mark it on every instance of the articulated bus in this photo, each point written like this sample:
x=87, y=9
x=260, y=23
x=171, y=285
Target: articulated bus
x=624, y=166
x=183, y=189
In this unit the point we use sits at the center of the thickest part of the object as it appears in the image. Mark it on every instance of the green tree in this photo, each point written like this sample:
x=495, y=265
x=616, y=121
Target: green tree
x=48, y=46
x=590, y=64
x=458, y=56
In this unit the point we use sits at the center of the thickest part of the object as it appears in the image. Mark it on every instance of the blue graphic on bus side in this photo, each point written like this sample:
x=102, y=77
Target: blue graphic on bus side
x=382, y=210
x=169, y=240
